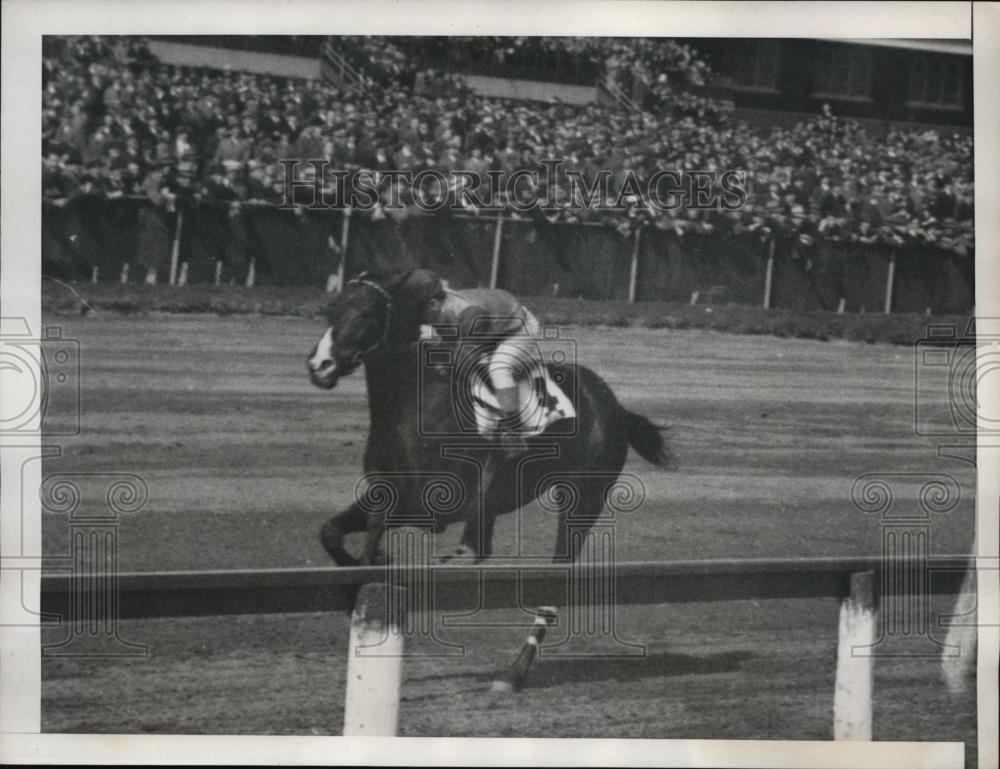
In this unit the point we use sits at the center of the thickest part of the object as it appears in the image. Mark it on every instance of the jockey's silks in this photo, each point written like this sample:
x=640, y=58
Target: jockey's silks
x=496, y=313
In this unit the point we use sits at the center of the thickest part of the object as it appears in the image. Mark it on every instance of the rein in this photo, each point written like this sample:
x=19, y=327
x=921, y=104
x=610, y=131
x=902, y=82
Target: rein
x=361, y=354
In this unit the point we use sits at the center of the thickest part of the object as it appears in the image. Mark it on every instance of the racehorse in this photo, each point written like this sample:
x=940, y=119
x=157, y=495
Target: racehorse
x=422, y=462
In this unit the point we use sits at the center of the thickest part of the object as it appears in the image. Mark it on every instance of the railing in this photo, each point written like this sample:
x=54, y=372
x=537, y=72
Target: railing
x=383, y=597
x=337, y=68
x=129, y=240
x=605, y=84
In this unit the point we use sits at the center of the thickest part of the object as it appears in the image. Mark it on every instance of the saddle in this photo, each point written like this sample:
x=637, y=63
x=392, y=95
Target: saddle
x=543, y=402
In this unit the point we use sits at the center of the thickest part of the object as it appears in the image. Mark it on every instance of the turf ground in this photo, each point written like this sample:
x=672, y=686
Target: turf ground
x=244, y=459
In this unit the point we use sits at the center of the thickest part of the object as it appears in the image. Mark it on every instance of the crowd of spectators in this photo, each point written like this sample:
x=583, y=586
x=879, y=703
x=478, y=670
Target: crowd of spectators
x=116, y=122
x=575, y=60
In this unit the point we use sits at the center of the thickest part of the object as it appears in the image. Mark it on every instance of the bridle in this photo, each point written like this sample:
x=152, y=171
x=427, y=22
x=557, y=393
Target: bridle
x=359, y=356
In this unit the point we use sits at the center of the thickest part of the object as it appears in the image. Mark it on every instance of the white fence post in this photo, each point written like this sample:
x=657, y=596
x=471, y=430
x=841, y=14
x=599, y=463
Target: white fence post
x=374, y=662
x=634, y=272
x=175, y=248
x=889, y=281
x=497, y=242
x=345, y=234
x=769, y=272
x=852, y=698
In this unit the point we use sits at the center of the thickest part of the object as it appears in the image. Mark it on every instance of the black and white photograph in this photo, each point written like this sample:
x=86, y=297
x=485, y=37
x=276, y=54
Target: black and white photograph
x=626, y=382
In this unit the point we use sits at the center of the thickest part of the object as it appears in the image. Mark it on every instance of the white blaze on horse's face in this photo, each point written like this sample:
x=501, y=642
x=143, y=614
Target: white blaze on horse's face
x=322, y=363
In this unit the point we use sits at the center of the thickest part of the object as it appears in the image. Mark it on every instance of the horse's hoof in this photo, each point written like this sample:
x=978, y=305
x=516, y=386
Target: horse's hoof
x=463, y=552
x=378, y=559
x=333, y=542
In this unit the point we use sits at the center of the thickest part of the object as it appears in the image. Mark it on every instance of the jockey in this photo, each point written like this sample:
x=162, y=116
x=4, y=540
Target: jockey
x=506, y=328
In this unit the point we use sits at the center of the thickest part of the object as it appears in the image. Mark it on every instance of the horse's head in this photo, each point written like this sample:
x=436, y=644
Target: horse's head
x=357, y=323
x=365, y=317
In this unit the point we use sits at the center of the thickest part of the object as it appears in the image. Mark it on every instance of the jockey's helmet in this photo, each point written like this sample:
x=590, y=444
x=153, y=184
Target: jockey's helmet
x=425, y=286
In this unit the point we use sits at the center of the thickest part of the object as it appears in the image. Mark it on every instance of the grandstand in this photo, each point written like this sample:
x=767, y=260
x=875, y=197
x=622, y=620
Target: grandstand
x=179, y=124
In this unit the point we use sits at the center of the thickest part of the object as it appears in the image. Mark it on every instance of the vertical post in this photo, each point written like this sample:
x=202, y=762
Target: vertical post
x=175, y=249
x=769, y=272
x=124, y=275
x=218, y=272
x=345, y=233
x=634, y=273
x=852, y=698
x=374, y=663
x=890, y=279
x=251, y=273
x=497, y=242
x=182, y=279
x=93, y=274
x=959, y=665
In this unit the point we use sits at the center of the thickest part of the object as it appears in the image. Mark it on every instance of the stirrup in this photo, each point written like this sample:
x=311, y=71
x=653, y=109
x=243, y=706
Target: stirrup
x=512, y=442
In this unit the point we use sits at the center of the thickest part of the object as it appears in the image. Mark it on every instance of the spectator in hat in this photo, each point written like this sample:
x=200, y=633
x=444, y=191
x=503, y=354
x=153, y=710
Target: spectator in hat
x=183, y=149
x=310, y=144
x=233, y=150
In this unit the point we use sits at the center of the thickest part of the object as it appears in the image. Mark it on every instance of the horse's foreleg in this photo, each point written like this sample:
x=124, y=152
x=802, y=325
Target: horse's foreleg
x=332, y=534
x=479, y=516
x=476, y=542
x=477, y=537
x=372, y=554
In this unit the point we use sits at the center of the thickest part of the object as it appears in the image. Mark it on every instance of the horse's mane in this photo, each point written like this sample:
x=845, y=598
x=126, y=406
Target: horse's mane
x=405, y=310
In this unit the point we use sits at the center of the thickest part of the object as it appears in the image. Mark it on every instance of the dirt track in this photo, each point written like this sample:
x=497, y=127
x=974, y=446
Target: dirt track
x=244, y=460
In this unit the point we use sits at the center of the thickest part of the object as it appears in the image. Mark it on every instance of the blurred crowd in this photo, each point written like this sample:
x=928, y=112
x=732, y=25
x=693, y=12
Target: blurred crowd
x=116, y=122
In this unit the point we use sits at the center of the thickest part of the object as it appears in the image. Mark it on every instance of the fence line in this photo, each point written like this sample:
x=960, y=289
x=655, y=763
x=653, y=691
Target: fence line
x=585, y=259
x=380, y=605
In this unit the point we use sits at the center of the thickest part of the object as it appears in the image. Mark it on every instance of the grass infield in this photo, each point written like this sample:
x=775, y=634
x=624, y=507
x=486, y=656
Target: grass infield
x=904, y=329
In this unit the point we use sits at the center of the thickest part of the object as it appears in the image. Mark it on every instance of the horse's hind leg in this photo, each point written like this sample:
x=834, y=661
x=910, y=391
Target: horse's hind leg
x=332, y=534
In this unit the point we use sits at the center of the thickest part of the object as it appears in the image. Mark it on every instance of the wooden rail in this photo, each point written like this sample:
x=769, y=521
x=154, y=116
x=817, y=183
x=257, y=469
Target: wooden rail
x=269, y=591
x=382, y=597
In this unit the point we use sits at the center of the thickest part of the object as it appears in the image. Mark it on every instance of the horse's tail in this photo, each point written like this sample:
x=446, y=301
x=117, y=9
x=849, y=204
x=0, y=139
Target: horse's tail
x=647, y=439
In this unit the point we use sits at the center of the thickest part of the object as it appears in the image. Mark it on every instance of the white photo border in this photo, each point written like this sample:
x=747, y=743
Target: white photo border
x=25, y=21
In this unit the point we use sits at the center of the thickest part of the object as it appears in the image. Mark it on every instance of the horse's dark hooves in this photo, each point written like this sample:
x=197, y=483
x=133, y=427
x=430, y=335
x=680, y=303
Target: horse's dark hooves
x=332, y=540
x=461, y=553
x=379, y=559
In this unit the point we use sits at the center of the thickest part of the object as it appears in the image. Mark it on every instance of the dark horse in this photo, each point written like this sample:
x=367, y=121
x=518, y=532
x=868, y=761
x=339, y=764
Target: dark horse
x=424, y=465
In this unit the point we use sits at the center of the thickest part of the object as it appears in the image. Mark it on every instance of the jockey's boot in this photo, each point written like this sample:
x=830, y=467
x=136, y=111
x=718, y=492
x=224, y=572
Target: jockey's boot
x=510, y=421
